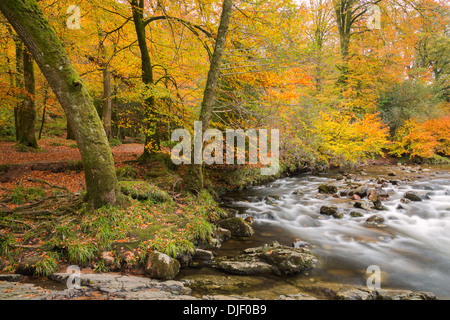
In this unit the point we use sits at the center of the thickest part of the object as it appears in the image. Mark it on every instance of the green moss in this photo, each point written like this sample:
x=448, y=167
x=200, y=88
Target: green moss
x=142, y=190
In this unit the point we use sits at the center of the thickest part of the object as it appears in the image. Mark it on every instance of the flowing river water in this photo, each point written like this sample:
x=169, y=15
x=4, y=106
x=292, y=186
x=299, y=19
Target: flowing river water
x=411, y=248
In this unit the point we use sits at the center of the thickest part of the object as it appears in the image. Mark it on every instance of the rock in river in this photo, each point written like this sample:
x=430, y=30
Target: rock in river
x=375, y=220
x=272, y=258
x=327, y=188
x=237, y=226
x=412, y=196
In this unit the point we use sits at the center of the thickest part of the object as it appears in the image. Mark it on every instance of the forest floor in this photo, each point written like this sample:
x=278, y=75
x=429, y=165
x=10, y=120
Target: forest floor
x=49, y=163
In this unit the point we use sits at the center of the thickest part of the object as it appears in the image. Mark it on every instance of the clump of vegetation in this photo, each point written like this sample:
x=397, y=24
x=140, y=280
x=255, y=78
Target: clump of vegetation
x=47, y=265
x=142, y=190
x=22, y=195
x=115, y=142
x=127, y=172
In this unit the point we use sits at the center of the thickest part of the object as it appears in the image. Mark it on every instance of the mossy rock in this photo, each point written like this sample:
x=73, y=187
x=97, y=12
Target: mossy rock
x=142, y=190
x=327, y=189
x=237, y=226
x=161, y=266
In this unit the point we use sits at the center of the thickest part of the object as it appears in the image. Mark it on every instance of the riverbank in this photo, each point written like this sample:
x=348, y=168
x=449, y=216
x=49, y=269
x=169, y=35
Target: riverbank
x=308, y=284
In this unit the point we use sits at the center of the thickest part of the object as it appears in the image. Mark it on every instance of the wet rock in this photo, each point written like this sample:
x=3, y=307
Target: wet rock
x=378, y=205
x=204, y=256
x=245, y=265
x=327, y=189
x=375, y=220
x=355, y=294
x=289, y=261
x=21, y=291
x=222, y=234
x=356, y=197
x=300, y=244
x=272, y=258
x=356, y=214
x=383, y=294
x=11, y=277
x=361, y=191
x=249, y=219
x=328, y=210
x=392, y=174
x=161, y=266
x=366, y=205
x=410, y=195
x=298, y=296
x=373, y=195
x=298, y=192
x=185, y=259
x=343, y=193
x=237, y=226
x=331, y=211
x=126, y=287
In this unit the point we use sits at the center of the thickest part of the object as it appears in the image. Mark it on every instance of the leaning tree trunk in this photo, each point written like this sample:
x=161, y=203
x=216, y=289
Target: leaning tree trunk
x=27, y=19
x=195, y=173
x=27, y=114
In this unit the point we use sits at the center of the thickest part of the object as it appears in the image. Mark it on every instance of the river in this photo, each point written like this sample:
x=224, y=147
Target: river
x=411, y=248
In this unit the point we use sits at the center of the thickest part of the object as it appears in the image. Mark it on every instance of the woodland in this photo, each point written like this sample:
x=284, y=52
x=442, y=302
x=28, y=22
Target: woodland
x=90, y=96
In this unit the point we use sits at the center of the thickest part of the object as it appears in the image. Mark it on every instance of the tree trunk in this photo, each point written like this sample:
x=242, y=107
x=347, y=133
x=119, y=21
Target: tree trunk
x=18, y=81
x=69, y=131
x=209, y=94
x=27, y=114
x=107, y=105
x=152, y=140
x=44, y=109
x=49, y=53
x=344, y=18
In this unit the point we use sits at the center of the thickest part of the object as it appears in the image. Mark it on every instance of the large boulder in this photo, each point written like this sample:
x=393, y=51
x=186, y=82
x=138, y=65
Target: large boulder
x=160, y=266
x=270, y=258
x=237, y=226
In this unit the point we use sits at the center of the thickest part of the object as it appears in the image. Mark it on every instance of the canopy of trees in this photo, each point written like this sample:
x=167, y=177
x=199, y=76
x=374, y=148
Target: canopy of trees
x=339, y=87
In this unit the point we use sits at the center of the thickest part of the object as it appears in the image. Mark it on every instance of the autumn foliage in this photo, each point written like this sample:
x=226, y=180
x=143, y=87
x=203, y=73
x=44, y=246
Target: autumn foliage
x=423, y=139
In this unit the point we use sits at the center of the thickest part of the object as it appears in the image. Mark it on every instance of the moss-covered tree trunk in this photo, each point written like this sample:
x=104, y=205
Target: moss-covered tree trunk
x=27, y=19
x=209, y=94
x=27, y=113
